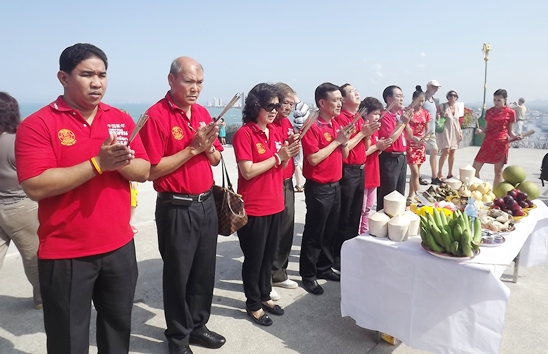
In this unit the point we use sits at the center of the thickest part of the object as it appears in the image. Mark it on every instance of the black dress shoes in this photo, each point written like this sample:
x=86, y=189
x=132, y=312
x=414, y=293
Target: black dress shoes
x=207, y=339
x=330, y=276
x=185, y=349
x=264, y=320
x=312, y=286
x=275, y=310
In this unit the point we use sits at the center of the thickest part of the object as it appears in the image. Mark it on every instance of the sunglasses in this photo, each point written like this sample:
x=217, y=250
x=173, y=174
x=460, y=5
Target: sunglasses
x=272, y=106
x=453, y=95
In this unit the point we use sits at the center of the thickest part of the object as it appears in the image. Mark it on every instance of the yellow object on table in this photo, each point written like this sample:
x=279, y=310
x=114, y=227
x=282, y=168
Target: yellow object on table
x=428, y=209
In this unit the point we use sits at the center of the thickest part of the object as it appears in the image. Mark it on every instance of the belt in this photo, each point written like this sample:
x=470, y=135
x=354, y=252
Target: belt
x=395, y=153
x=354, y=167
x=202, y=197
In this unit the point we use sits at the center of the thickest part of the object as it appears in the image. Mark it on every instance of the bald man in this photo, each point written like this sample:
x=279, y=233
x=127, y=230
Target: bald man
x=181, y=139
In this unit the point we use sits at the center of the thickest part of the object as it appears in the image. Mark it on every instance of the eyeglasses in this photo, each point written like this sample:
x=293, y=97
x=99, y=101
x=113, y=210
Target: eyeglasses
x=354, y=91
x=272, y=106
x=399, y=96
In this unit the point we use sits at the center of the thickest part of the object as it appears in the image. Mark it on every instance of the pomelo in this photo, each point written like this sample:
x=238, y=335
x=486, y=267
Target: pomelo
x=530, y=188
x=502, y=188
x=514, y=174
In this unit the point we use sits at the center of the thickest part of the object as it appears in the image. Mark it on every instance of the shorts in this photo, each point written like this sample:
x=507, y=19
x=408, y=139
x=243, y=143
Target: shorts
x=431, y=144
x=133, y=191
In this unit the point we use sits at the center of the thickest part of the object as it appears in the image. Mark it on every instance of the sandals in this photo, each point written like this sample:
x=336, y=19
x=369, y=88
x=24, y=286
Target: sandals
x=423, y=182
x=449, y=176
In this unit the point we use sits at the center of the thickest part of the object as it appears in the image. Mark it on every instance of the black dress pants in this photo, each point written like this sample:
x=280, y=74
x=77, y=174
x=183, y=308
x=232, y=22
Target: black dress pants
x=393, y=168
x=281, y=257
x=69, y=286
x=258, y=240
x=352, y=186
x=187, y=240
x=323, y=206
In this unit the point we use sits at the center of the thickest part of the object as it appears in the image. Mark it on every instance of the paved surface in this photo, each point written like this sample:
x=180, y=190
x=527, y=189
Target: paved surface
x=311, y=324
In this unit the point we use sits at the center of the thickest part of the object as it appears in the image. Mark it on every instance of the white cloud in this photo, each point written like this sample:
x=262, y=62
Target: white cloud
x=423, y=54
x=378, y=69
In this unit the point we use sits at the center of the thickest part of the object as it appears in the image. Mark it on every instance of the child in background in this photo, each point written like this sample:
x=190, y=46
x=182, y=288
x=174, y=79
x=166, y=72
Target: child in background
x=372, y=176
x=222, y=131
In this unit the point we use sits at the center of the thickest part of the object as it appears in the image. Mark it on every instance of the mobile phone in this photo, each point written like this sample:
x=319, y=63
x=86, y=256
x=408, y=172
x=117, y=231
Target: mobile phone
x=178, y=200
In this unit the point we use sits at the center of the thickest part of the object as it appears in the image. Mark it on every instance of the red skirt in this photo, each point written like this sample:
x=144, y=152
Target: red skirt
x=416, y=155
x=493, y=151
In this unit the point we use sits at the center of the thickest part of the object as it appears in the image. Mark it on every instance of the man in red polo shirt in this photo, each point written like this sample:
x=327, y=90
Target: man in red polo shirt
x=352, y=181
x=73, y=158
x=324, y=147
x=281, y=257
x=392, y=162
x=181, y=141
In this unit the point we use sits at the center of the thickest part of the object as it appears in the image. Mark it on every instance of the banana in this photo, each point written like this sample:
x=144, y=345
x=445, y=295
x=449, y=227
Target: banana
x=431, y=243
x=477, y=231
x=466, y=244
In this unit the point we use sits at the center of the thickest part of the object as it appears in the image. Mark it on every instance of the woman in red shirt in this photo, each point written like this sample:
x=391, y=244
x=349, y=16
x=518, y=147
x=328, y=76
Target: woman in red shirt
x=372, y=178
x=416, y=147
x=261, y=156
x=499, y=124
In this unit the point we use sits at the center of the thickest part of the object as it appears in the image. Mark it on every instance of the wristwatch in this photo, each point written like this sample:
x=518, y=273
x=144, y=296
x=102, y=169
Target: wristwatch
x=212, y=150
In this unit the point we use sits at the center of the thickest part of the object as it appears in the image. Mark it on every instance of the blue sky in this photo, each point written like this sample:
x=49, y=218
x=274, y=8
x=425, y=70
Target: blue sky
x=371, y=44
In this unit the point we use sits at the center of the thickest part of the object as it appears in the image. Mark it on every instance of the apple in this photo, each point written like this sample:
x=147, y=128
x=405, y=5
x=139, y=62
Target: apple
x=508, y=200
x=522, y=196
x=516, y=206
x=523, y=204
x=499, y=202
x=513, y=193
x=519, y=212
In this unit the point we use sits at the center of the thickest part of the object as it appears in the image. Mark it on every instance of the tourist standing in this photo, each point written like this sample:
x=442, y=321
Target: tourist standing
x=182, y=144
x=499, y=124
x=325, y=145
x=521, y=111
x=392, y=162
x=286, y=97
x=416, y=149
x=449, y=139
x=262, y=154
x=18, y=214
x=222, y=131
x=300, y=114
x=73, y=158
x=431, y=105
x=353, y=174
x=373, y=109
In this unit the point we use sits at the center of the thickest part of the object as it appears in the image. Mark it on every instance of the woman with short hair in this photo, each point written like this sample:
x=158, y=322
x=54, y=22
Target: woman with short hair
x=448, y=140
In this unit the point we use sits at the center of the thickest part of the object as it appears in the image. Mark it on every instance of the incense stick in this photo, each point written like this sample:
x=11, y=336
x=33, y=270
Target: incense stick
x=229, y=105
x=309, y=121
x=142, y=120
x=526, y=134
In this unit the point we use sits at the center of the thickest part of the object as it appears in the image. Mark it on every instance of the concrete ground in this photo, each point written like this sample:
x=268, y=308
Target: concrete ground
x=311, y=324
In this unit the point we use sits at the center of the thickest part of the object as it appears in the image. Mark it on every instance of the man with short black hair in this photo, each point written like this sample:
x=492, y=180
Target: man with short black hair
x=75, y=159
x=324, y=147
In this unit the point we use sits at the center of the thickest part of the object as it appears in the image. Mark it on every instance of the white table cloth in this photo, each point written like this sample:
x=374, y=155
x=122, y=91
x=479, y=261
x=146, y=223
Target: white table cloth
x=433, y=304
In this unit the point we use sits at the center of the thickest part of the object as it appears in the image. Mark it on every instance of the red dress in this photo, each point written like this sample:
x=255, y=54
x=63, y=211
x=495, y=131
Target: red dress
x=494, y=148
x=416, y=152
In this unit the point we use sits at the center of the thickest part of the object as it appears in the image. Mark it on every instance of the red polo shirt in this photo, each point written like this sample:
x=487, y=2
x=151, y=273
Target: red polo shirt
x=286, y=130
x=357, y=155
x=262, y=194
x=321, y=134
x=93, y=218
x=372, y=171
x=388, y=123
x=167, y=131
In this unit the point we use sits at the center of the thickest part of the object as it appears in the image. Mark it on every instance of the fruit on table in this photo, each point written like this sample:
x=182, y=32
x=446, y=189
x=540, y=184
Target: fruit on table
x=530, y=188
x=514, y=174
x=502, y=188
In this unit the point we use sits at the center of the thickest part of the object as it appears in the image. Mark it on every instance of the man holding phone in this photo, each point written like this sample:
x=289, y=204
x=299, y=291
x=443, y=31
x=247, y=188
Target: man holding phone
x=182, y=143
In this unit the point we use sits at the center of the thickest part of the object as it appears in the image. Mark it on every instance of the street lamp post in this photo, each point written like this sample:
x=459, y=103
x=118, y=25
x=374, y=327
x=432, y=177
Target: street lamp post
x=478, y=138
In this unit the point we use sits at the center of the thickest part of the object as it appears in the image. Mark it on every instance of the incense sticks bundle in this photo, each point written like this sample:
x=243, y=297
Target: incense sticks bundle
x=229, y=105
x=527, y=133
x=142, y=120
x=309, y=121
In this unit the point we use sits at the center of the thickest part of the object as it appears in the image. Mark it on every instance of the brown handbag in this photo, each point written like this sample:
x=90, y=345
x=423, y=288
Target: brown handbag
x=230, y=206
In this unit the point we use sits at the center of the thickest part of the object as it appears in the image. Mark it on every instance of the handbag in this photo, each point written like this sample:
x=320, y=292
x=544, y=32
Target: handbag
x=231, y=214
x=440, y=124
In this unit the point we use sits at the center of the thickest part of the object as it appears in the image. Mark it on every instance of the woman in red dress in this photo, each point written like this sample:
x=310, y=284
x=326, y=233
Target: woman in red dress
x=416, y=148
x=499, y=123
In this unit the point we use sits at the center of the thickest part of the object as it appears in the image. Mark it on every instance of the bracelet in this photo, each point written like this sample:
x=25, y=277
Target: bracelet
x=278, y=159
x=95, y=166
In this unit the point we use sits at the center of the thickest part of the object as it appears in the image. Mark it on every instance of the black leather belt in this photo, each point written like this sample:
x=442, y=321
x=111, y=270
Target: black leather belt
x=193, y=197
x=354, y=167
x=395, y=154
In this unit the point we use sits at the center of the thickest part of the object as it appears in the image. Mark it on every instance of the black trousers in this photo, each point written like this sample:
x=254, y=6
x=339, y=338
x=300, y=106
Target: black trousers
x=281, y=257
x=187, y=240
x=323, y=206
x=69, y=286
x=352, y=186
x=258, y=240
x=393, y=173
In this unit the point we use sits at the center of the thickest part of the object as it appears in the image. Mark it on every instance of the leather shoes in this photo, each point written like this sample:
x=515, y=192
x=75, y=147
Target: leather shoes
x=207, y=339
x=185, y=349
x=330, y=276
x=275, y=310
x=264, y=320
x=312, y=286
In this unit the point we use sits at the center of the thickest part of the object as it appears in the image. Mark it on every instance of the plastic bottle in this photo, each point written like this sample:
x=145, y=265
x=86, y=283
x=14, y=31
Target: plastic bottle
x=471, y=210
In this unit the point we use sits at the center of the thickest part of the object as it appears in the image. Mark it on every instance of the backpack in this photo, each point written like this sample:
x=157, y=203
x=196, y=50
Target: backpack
x=544, y=169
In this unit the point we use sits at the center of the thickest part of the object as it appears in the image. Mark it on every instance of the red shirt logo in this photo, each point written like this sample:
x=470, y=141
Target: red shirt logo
x=177, y=132
x=327, y=136
x=260, y=148
x=66, y=137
